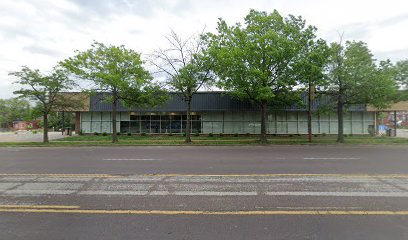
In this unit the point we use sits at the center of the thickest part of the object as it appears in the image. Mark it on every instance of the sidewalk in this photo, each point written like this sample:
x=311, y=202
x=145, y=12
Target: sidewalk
x=26, y=136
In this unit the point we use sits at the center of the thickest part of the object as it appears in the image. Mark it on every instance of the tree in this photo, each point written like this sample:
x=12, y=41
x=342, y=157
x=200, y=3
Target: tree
x=310, y=73
x=45, y=89
x=256, y=61
x=14, y=109
x=118, y=74
x=185, y=67
x=354, y=78
x=402, y=72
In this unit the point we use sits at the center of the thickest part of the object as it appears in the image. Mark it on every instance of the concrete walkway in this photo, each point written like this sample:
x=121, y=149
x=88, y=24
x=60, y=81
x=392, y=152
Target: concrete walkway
x=27, y=136
x=402, y=133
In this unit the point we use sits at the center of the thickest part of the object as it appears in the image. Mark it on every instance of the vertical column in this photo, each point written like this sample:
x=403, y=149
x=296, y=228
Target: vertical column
x=395, y=122
x=77, y=122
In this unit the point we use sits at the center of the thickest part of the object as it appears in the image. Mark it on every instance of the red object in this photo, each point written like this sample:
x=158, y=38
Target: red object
x=25, y=125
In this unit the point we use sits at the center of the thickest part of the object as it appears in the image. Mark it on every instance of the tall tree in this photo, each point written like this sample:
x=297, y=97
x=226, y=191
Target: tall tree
x=45, y=89
x=256, y=60
x=402, y=72
x=186, y=69
x=117, y=73
x=354, y=78
x=310, y=73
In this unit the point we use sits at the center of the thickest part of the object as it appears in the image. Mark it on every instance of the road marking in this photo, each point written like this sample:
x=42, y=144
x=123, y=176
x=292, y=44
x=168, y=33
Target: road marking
x=39, y=206
x=340, y=194
x=281, y=175
x=131, y=159
x=97, y=175
x=165, y=212
x=330, y=158
x=62, y=175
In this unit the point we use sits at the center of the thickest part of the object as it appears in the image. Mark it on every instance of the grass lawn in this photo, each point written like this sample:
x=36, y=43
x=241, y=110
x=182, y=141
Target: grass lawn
x=124, y=140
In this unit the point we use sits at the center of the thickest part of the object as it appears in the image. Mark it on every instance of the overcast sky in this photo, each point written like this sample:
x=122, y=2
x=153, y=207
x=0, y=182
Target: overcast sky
x=39, y=33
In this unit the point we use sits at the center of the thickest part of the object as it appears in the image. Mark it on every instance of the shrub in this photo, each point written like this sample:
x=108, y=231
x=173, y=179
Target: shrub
x=211, y=135
x=143, y=134
x=324, y=134
x=298, y=135
x=129, y=134
x=350, y=135
x=315, y=135
x=170, y=134
x=235, y=134
x=274, y=134
x=34, y=131
x=247, y=134
x=81, y=132
x=105, y=134
x=197, y=134
x=221, y=134
x=290, y=135
x=118, y=133
x=96, y=133
x=184, y=134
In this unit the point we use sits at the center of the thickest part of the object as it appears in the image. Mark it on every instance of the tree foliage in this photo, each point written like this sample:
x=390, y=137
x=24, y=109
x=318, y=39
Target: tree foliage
x=118, y=74
x=185, y=67
x=355, y=78
x=45, y=90
x=258, y=60
x=14, y=109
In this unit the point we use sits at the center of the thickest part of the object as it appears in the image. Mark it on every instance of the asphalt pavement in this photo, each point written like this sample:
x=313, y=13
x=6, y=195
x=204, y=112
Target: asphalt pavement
x=198, y=192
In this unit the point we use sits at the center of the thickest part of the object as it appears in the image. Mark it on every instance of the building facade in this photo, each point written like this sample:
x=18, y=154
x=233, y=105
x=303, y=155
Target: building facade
x=217, y=112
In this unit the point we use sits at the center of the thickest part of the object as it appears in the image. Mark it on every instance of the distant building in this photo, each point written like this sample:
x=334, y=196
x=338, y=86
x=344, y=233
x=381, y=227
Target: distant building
x=25, y=125
x=217, y=112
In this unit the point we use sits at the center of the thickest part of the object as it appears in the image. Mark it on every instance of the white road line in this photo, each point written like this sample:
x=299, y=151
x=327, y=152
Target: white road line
x=340, y=194
x=131, y=159
x=331, y=158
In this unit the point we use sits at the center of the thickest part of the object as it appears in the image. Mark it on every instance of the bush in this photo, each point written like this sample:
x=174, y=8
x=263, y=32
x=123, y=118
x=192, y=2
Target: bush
x=170, y=134
x=324, y=134
x=118, y=133
x=235, y=134
x=298, y=135
x=315, y=135
x=34, y=131
x=221, y=134
x=81, y=132
x=196, y=134
x=350, y=135
x=211, y=135
x=290, y=135
x=184, y=134
x=105, y=134
x=96, y=133
x=274, y=135
x=129, y=134
x=247, y=134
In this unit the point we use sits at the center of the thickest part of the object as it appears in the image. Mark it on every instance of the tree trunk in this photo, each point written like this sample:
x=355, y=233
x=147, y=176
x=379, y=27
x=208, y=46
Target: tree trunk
x=114, y=131
x=263, y=139
x=45, y=132
x=188, y=125
x=340, y=136
x=309, y=114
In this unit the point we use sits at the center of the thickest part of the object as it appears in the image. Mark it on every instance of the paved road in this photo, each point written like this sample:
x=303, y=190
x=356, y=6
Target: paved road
x=274, y=192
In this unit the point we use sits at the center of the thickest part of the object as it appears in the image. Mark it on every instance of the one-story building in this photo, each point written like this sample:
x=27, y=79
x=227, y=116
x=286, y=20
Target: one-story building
x=217, y=112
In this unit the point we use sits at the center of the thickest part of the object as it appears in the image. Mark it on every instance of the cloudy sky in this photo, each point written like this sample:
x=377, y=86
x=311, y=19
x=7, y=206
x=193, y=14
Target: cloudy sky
x=39, y=33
